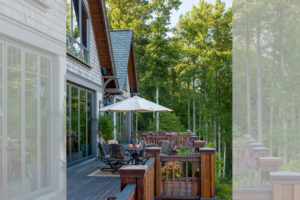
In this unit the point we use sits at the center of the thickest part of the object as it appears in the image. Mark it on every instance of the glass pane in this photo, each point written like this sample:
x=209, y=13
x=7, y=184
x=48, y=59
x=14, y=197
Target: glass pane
x=68, y=125
x=13, y=122
x=45, y=123
x=75, y=20
x=31, y=122
x=30, y=62
x=1, y=118
x=44, y=67
x=74, y=123
x=68, y=10
x=89, y=122
x=83, y=143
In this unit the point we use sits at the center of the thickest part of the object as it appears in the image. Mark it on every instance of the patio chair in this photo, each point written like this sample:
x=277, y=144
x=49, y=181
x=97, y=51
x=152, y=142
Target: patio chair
x=141, y=158
x=166, y=147
x=104, y=158
x=118, y=156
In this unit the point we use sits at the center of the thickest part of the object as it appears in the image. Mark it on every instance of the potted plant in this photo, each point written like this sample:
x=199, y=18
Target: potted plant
x=105, y=127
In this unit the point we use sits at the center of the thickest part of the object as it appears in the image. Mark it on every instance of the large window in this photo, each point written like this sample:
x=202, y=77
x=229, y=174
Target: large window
x=77, y=30
x=79, y=123
x=25, y=119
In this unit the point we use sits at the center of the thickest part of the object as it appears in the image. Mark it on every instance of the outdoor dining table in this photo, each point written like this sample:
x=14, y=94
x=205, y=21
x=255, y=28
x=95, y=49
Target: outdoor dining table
x=134, y=152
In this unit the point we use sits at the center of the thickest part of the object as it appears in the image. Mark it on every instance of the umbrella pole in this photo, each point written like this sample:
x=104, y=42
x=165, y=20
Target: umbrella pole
x=136, y=125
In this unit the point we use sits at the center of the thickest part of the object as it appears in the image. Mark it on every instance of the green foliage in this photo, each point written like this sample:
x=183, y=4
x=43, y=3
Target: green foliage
x=185, y=151
x=200, y=48
x=168, y=122
x=106, y=127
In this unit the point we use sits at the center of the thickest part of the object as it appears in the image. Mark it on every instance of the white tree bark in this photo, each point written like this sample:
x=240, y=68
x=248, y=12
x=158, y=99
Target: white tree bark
x=157, y=113
x=259, y=86
x=271, y=128
x=188, y=102
x=194, y=107
x=248, y=87
x=224, y=159
x=219, y=150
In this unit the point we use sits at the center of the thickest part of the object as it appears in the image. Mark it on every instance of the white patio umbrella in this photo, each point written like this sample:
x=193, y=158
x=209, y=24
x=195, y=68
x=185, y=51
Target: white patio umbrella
x=135, y=104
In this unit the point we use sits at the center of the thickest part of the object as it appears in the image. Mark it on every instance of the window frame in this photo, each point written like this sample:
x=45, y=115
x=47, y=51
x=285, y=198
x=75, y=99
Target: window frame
x=84, y=50
x=50, y=189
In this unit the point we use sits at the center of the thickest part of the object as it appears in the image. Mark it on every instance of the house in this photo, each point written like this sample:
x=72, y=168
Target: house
x=124, y=57
x=32, y=70
x=100, y=71
x=90, y=72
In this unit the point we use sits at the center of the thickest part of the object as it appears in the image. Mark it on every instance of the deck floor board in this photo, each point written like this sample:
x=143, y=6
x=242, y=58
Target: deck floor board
x=80, y=186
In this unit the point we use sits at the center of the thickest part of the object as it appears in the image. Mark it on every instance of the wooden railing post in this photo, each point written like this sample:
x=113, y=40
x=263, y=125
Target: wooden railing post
x=269, y=164
x=198, y=144
x=134, y=174
x=155, y=152
x=207, y=173
x=286, y=185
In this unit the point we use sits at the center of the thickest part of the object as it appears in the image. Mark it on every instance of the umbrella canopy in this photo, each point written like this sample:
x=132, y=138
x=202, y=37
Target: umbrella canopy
x=135, y=104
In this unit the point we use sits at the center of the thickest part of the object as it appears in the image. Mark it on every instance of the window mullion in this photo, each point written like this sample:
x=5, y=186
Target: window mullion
x=38, y=125
x=71, y=32
x=23, y=139
x=80, y=27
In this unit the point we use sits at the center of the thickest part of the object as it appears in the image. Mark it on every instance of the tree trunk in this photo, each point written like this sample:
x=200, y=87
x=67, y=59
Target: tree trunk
x=194, y=107
x=259, y=89
x=219, y=149
x=248, y=86
x=224, y=158
x=188, y=102
x=271, y=127
x=157, y=113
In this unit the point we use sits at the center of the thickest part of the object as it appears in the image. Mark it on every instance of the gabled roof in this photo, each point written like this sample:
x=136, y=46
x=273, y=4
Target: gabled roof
x=121, y=44
x=102, y=37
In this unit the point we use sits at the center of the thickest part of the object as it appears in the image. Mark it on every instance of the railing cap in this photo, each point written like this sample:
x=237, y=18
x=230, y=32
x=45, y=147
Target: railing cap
x=270, y=161
x=153, y=149
x=260, y=149
x=207, y=150
x=285, y=177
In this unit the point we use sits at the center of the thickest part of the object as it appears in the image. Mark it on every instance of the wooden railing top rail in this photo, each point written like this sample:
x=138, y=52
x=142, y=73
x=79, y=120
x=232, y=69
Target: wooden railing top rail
x=193, y=158
x=128, y=193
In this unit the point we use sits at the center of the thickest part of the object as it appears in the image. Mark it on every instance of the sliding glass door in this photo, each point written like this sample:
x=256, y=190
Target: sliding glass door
x=79, y=123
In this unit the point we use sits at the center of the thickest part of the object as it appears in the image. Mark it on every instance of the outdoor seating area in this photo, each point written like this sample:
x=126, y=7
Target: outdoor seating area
x=116, y=155
x=164, y=172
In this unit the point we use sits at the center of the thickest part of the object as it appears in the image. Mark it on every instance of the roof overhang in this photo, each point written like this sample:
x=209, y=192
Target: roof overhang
x=102, y=38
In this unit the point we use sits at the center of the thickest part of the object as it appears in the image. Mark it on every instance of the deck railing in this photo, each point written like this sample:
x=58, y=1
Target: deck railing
x=160, y=179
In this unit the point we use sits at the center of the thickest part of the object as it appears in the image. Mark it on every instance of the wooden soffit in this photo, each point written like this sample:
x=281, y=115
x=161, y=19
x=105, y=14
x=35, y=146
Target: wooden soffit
x=102, y=37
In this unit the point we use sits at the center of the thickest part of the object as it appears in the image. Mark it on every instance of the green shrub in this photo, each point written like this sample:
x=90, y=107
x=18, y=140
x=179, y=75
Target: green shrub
x=106, y=127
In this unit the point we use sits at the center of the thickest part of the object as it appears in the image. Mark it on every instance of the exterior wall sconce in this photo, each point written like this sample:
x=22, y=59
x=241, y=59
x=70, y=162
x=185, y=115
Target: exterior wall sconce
x=104, y=70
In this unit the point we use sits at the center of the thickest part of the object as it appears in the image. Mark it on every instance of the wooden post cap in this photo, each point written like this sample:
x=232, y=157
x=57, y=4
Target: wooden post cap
x=285, y=177
x=253, y=145
x=249, y=141
x=260, y=150
x=199, y=142
x=247, y=136
x=270, y=161
x=207, y=150
x=153, y=149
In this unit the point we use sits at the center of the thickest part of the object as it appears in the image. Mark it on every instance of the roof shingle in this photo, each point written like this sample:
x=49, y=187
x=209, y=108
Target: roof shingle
x=121, y=43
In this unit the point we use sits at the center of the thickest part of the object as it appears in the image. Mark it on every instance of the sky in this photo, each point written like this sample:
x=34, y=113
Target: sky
x=187, y=5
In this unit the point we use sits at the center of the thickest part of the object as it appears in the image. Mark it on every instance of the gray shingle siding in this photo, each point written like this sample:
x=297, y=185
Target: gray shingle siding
x=92, y=74
x=121, y=43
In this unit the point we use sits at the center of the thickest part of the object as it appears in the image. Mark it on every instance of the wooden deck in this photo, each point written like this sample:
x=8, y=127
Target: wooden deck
x=80, y=186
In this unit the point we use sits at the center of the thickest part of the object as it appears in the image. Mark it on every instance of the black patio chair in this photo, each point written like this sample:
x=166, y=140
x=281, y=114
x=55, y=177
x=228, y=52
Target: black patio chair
x=118, y=156
x=141, y=157
x=105, y=158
